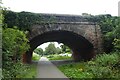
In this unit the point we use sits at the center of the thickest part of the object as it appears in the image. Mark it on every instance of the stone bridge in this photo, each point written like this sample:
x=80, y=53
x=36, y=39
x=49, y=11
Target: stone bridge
x=82, y=37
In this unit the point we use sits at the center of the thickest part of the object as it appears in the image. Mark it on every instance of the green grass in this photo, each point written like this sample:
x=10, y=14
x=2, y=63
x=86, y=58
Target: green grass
x=1, y=73
x=20, y=70
x=75, y=70
x=35, y=57
x=30, y=72
x=104, y=66
x=58, y=57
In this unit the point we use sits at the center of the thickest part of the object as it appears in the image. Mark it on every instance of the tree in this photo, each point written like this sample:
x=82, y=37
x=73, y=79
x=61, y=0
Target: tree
x=58, y=50
x=51, y=49
x=65, y=49
x=109, y=26
x=39, y=51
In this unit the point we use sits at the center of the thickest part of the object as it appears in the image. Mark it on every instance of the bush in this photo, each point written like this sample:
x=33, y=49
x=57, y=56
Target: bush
x=107, y=59
x=14, y=71
x=14, y=41
x=14, y=44
x=104, y=66
x=116, y=44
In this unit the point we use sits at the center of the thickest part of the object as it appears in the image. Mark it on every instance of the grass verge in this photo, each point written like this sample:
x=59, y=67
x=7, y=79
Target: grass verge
x=35, y=57
x=30, y=72
x=58, y=57
x=104, y=66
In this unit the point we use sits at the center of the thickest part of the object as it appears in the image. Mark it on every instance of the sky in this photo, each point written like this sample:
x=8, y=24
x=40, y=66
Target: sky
x=119, y=9
x=44, y=45
x=75, y=7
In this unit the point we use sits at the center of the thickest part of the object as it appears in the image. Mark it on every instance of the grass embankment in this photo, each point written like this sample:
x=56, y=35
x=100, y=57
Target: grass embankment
x=35, y=57
x=31, y=71
x=1, y=73
x=104, y=66
x=58, y=57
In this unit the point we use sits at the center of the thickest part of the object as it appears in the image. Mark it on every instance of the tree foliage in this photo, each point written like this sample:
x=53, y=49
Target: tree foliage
x=65, y=49
x=116, y=33
x=51, y=49
x=110, y=27
x=58, y=50
x=14, y=44
x=39, y=51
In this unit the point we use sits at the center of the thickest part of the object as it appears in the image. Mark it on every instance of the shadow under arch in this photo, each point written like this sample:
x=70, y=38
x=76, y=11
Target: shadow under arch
x=81, y=47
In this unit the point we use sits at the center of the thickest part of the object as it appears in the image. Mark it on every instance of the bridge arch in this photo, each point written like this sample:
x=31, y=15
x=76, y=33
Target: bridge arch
x=82, y=38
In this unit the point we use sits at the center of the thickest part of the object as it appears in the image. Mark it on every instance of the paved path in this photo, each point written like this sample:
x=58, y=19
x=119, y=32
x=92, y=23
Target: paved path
x=48, y=70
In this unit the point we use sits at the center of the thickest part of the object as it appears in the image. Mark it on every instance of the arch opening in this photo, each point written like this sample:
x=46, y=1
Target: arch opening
x=53, y=51
x=81, y=47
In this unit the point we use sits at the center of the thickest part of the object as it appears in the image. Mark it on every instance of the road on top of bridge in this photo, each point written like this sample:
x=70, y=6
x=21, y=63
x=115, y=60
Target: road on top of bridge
x=46, y=69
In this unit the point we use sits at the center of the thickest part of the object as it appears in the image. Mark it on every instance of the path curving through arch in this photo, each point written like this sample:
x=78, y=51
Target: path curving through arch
x=46, y=69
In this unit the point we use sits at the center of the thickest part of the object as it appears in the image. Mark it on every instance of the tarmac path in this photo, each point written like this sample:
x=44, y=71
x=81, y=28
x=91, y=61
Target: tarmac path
x=46, y=69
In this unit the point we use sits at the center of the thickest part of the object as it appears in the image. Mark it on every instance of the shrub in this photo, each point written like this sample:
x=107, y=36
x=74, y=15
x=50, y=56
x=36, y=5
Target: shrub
x=14, y=44
x=107, y=59
x=98, y=71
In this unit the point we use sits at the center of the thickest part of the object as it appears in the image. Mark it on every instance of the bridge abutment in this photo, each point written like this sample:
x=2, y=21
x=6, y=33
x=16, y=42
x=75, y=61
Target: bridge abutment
x=27, y=57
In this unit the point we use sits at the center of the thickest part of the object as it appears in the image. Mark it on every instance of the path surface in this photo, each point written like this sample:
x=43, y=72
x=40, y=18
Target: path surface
x=46, y=69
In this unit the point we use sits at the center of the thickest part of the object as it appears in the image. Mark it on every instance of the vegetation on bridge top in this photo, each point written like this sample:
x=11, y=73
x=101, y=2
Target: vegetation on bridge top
x=24, y=20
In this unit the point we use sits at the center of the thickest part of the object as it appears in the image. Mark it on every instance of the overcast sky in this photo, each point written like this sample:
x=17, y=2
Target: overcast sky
x=77, y=7
x=43, y=46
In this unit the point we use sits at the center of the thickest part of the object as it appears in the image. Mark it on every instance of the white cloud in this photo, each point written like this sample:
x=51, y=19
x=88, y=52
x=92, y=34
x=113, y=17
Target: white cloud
x=64, y=6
